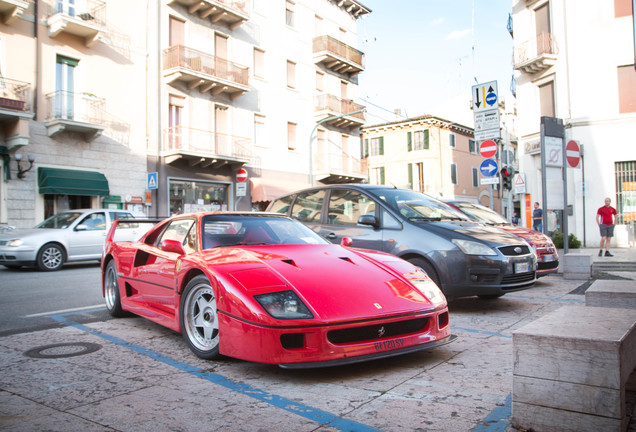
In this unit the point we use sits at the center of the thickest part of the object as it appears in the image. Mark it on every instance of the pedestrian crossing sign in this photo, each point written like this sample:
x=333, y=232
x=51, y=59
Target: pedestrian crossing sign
x=152, y=181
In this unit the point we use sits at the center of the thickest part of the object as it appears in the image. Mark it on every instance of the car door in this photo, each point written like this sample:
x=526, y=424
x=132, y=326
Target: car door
x=343, y=211
x=307, y=208
x=87, y=237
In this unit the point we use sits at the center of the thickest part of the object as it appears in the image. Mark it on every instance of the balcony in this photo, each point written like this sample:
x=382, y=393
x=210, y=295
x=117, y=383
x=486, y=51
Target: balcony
x=12, y=10
x=87, y=22
x=232, y=13
x=203, y=149
x=206, y=72
x=537, y=54
x=327, y=106
x=15, y=112
x=337, y=56
x=334, y=168
x=75, y=112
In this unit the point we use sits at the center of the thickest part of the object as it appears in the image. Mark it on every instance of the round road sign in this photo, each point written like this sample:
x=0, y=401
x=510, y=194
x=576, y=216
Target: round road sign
x=488, y=148
x=573, y=153
x=241, y=175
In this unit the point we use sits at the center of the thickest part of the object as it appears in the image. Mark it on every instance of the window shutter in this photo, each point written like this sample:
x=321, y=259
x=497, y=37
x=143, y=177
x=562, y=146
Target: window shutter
x=381, y=175
x=426, y=139
x=411, y=175
x=382, y=146
x=366, y=147
x=409, y=139
x=454, y=174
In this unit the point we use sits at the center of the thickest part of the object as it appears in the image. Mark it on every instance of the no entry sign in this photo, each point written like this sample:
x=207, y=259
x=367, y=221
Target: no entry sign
x=573, y=153
x=488, y=148
x=241, y=175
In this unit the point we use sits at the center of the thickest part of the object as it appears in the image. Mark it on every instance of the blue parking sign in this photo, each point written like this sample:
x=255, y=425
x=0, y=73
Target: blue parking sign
x=152, y=181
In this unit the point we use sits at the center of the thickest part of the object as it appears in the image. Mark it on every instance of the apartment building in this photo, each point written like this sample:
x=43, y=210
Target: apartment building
x=73, y=107
x=427, y=154
x=157, y=106
x=266, y=88
x=574, y=60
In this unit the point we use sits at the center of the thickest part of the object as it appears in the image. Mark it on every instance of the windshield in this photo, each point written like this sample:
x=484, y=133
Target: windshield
x=60, y=220
x=417, y=206
x=482, y=214
x=230, y=230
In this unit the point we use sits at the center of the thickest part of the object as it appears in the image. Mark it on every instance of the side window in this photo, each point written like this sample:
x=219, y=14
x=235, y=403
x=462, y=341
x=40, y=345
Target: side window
x=389, y=221
x=308, y=206
x=94, y=222
x=282, y=205
x=346, y=207
x=181, y=231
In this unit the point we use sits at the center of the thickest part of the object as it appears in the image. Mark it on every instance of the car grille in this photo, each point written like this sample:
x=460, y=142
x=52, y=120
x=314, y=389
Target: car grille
x=376, y=331
x=3, y=242
x=510, y=250
x=517, y=278
x=548, y=265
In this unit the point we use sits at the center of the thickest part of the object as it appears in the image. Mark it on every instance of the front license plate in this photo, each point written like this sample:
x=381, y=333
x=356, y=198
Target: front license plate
x=523, y=267
x=388, y=345
x=548, y=258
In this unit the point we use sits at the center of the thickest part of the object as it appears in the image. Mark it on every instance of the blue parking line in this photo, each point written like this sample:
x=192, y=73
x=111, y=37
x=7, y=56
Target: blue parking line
x=545, y=298
x=489, y=333
x=498, y=420
x=313, y=414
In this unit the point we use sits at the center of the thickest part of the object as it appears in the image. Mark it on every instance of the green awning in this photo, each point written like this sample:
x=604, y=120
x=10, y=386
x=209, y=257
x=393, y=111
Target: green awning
x=71, y=182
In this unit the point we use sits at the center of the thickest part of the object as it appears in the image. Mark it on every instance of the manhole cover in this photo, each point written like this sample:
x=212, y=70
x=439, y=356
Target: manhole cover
x=62, y=350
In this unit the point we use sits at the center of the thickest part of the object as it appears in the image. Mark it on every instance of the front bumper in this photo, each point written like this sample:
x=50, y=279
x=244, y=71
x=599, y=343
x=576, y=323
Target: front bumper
x=17, y=256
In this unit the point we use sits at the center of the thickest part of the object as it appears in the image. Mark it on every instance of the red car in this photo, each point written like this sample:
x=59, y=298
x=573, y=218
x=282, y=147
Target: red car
x=264, y=288
x=542, y=245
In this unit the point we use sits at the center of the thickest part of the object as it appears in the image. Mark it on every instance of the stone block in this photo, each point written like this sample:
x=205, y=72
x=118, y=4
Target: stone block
x=577, y=266
x=571, y=369
x=612, y=293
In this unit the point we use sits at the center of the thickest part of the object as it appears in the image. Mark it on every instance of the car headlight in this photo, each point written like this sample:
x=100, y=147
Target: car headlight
x=428, y=288
x=284, y=305
x=473, y=247
x=15, y=242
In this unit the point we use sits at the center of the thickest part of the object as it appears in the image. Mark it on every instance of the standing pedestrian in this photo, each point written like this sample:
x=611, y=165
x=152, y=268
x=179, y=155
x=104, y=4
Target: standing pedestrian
x=552, y=222
x=606, y=219
x=515, y=219
x=537, y=218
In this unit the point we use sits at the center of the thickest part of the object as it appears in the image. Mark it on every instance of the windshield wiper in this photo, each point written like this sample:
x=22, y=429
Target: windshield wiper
x=425, y=218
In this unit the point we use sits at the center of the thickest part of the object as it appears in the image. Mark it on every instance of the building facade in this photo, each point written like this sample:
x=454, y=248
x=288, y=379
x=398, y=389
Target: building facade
x=574, y=61
x=427, y=154
x=157, y=106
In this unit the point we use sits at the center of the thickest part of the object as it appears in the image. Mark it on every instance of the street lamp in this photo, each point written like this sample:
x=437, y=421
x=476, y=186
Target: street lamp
x=311, y=135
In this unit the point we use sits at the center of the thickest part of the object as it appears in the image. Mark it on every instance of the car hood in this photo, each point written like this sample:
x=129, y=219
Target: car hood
x=471, y=230
x=29, y=232
x=533, y=237
x=335, y=282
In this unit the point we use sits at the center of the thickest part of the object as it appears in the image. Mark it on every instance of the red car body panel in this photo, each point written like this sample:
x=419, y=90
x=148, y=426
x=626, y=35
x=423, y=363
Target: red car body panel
x=345, y=289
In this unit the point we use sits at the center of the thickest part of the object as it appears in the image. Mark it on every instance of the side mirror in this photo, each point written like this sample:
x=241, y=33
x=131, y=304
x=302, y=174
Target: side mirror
x=346, y=242
x=172, y=246
x=81, y=227
x=368, y=220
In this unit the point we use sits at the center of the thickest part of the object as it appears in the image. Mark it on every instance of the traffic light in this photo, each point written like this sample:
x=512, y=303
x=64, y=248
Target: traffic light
x=507, y=173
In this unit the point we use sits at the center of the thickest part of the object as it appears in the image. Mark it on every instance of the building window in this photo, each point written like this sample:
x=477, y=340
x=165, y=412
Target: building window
x=317, y=25
x=289, y=13
x=472, y=146
x=377, y=146
x=320, y=81
x=416, y=176
x=377, y=175
x=453, y=173
x=291, y=136
x=192, y=196
x=420, y=140
x=622, y=8
x=291, y=74
x=475, y=177
x=546, y=99
x=176, y=31
x=65, y=87
x=259, y=63
x=175, y=114
x=625, y=173
x=451, y=141
x=259, y=130
x=626, y=89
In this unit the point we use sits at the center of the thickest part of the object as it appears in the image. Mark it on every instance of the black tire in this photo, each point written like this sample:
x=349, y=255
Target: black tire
x=51, y=257
x=489, y=296
x=199, y=318
x=111, y=291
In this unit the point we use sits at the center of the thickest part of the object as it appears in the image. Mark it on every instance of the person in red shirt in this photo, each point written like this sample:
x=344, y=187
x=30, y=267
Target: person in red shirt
x=606, y=218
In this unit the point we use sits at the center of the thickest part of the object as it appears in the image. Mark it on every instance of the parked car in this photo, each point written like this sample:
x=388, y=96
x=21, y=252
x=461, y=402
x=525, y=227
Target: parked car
x=72, y=235
x=264, y=288
x=463, y=257
x=542, y=245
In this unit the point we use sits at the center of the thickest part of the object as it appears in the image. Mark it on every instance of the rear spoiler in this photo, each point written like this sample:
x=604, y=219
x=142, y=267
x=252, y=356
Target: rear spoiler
x=123, y=222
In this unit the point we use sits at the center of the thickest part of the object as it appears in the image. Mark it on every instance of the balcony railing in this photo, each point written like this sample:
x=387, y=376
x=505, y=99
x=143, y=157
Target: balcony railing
x=12, y=9
x=327, y=105
x=231, y=12
x=338, y=56
x=79, y=112
x=536, y=54
x=205, y=71
x=338, y=168
x=15, y=95
x=205, y=147
x=86, y=19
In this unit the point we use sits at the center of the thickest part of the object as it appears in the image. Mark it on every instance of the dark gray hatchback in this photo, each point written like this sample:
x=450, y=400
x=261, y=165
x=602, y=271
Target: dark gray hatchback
x=464, y=258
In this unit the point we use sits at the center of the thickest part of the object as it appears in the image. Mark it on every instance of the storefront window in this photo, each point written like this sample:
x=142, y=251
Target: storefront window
x=192, y=196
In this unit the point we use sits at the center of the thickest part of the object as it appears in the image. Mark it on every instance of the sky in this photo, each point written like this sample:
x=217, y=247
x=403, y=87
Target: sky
x=423, y=56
